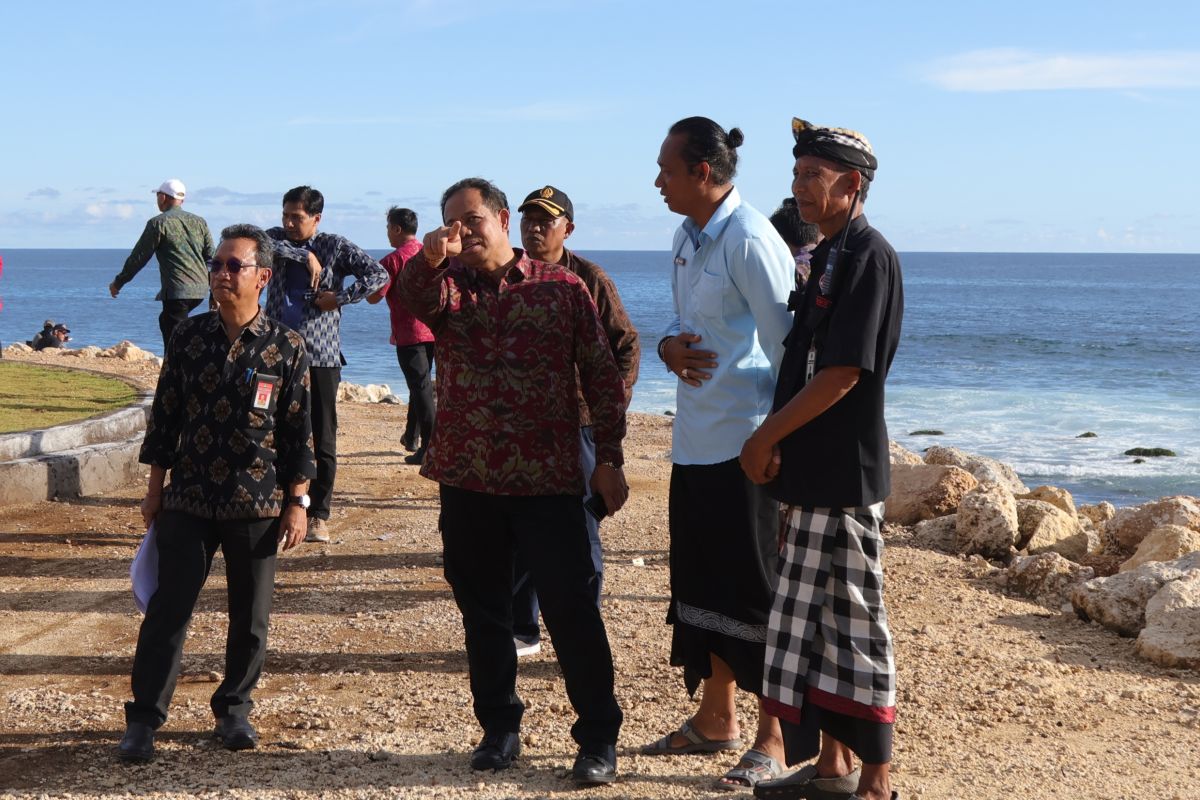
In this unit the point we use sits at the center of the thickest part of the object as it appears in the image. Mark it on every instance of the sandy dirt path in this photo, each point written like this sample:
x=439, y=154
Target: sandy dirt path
x=365, y=693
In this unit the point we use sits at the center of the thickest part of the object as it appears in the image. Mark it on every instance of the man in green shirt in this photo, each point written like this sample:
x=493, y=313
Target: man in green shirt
x=182, y=244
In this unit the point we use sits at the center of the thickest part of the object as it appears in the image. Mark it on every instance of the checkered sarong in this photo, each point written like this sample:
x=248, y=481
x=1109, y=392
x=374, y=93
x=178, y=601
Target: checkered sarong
x=827, y=635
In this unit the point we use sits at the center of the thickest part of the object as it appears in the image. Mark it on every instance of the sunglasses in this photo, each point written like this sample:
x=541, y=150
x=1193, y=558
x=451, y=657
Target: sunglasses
x=233, y=265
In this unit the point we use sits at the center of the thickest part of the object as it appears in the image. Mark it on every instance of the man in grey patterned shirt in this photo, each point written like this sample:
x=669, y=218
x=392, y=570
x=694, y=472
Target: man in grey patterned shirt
x=316, y=314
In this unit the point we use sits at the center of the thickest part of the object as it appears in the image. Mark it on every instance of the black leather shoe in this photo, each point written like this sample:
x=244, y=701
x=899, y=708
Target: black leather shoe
x=137, y=745
x=496, y=751
x=236, y=733
x=595, y=764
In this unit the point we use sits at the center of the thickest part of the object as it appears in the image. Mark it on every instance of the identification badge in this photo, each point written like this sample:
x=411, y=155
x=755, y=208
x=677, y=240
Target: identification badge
x=264, y=391
x=810, y=368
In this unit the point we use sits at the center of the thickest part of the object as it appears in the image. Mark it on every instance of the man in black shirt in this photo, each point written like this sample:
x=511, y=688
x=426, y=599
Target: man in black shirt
x=830, y=673
x=230, y=420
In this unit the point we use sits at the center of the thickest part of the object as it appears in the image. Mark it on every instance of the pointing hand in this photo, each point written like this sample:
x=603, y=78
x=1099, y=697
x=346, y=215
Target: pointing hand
x=442, y=243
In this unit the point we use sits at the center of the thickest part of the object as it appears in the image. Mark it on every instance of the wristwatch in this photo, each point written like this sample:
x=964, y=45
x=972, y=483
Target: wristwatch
x=296, y=500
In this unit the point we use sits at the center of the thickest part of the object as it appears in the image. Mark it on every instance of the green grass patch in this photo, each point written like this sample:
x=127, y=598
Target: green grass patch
x=33, y=397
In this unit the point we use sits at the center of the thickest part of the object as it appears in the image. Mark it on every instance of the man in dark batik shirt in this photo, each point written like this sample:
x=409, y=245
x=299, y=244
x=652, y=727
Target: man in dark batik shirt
x=230, y=421
x=512, y=334
x=305, y=257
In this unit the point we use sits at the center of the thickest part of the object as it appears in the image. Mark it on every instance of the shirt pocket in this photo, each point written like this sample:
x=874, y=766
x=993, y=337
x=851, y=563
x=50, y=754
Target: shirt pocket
x=710, y=295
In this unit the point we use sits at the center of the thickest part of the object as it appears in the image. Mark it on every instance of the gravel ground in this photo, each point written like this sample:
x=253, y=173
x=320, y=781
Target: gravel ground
x=365, y=692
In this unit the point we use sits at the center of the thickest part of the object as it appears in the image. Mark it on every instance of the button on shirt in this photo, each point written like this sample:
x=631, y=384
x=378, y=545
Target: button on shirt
x=233, y=442
x=340, y=259
x=507, y=410
x=730, y=283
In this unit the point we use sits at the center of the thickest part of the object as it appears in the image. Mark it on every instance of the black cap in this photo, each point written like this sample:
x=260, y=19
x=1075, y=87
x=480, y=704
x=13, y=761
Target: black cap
x=552, y=200
x=61, y=327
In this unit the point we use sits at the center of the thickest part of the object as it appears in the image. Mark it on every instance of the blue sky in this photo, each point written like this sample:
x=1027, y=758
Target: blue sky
x=1017, y=126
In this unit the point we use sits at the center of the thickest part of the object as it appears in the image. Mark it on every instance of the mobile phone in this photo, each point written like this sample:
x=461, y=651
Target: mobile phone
x=596, y=507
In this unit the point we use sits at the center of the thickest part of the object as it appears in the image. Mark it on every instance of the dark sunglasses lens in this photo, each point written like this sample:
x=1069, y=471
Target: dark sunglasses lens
x=233, y=265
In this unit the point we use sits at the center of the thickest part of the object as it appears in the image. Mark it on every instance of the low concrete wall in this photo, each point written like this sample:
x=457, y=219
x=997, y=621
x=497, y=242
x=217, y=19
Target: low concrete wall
x=110, y=427
x=70, y=474
x=79, y=459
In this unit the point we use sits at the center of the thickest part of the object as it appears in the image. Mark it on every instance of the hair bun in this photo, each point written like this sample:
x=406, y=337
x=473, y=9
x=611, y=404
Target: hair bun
x=734, y=138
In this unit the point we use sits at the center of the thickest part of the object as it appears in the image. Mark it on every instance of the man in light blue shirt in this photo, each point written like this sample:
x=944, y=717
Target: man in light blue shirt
x=732, y=278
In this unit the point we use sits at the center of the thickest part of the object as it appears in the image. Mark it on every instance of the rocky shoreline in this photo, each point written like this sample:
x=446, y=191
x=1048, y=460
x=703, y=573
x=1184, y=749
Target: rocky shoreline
x=1134, y=570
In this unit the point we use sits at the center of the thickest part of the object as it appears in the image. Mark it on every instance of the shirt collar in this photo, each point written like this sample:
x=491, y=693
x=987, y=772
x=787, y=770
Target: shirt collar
x=514, y=274
x=255, y=327
x=716, y=223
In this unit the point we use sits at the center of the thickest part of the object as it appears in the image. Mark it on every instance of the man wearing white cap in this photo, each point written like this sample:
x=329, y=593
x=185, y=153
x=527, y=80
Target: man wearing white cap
x=183, y=245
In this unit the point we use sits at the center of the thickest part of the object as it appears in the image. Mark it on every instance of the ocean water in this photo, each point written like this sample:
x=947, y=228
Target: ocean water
x=1010, y=355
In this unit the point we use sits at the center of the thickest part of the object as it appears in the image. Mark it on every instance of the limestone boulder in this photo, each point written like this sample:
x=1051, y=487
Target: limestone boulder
x=1099, y=514
x=899, y=455
x=939, y=533
x=17, y=349
x=1047, y=578
x=371, y=393
x=925, y=491
x=1129, y=526
x=1119, y=602
x=987, y=522
x=1164, y=544
x=1045, y=528
x=1053, y=495
x=91, y=351
x=127, y=351
x=985, y=470
x=1171, y=637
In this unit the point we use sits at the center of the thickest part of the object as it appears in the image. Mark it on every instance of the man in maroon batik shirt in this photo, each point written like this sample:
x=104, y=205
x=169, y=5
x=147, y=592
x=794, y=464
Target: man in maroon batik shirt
x=511, y=334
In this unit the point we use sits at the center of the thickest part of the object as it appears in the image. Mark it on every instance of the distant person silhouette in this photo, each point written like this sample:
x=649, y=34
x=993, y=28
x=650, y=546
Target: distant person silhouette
x=183, y=245
x=51, y=336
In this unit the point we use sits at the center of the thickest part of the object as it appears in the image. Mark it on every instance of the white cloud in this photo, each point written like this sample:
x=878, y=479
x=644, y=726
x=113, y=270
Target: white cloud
x=102, y=211
x=1011, y=70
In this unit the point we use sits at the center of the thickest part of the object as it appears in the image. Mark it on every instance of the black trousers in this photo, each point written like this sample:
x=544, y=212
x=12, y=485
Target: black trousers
x=324, y=385
x=480, y=535
x=416, y=362
x=525, y=599
x=186, y=546
x=173, y=313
